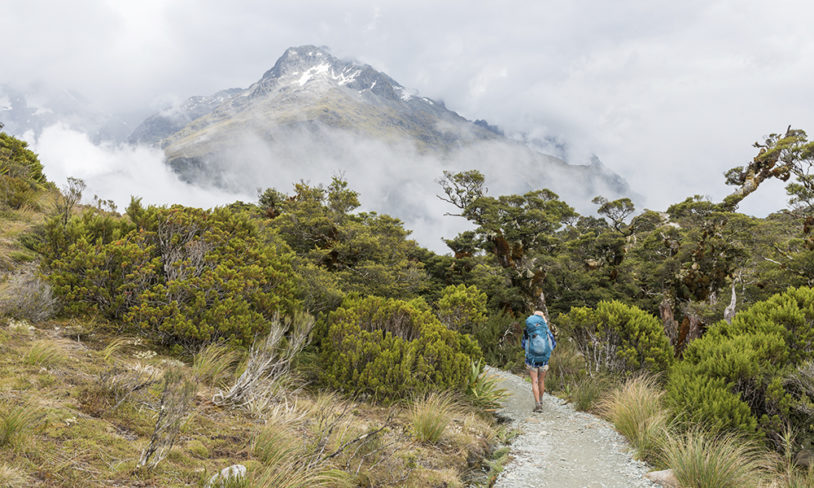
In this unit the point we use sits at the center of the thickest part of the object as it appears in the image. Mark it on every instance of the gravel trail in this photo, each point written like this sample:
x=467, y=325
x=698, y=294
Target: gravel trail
x=563, y=448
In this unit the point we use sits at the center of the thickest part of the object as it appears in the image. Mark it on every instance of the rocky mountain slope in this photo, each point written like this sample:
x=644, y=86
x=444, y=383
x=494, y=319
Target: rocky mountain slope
x=313, y=110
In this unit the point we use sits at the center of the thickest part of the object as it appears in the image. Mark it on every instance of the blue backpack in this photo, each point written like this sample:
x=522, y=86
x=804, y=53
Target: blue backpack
x=539, y=343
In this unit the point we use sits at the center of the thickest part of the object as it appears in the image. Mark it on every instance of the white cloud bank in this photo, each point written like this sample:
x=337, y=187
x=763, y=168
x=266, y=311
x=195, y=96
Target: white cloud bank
x=118, y=171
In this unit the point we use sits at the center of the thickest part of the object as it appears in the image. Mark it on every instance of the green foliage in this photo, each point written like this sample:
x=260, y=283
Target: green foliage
x=519, y=231
x=104, y=278
x=367, y=253
x=482, y=389
x=617, y=338
x=21, y=173
x=183, y=275
x=499, y=339
x=462, y=308
x=738, y=376
x=390, y=349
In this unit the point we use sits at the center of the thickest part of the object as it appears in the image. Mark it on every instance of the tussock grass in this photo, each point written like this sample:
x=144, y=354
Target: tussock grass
x=44, y=354
x=635, y=409
x=703, y=460
x=587, y=393
x=16, y=422
x=290, y=474
x=275, y=444
x=430, y=415
x=114, y=348
x=11, y=477
x=786, y=472
x=288, y=462
x=214, y=364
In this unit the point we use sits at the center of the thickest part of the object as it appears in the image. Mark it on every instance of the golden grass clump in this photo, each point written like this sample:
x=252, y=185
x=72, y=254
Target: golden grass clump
x=11, y=477
x=703, y=460
x=430, y=416
x=287, y=462
x=214, y=364
x=635, y=409
x=44, y=354
x=16, y=422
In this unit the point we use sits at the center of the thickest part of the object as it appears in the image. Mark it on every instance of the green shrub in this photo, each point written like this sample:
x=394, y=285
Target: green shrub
x=390, y=349
x=618, y=338
x=750, y=376
x=499, y=339
x=182, y=275
x=104, y=278
x=20, y=173
x=462, y=308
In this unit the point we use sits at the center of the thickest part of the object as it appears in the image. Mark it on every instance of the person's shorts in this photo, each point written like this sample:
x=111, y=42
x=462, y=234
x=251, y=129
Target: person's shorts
x=540, y=368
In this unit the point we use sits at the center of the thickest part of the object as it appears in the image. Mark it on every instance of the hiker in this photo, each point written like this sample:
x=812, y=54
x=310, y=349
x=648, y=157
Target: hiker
x=538, y=342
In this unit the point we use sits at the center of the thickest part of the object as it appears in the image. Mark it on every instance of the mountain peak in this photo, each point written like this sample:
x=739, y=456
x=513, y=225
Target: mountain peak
x=296, y=58
x=299, y=66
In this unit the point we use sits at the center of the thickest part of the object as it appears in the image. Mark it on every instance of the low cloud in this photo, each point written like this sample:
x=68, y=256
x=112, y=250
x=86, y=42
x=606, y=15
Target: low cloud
x=395, y=179
x=118, y=171
x=398, y=179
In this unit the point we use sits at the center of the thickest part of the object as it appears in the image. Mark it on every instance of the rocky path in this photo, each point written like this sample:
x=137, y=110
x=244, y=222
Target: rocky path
x=563, y=448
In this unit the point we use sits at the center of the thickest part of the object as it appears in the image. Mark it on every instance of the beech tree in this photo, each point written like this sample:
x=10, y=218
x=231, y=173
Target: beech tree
x=517, y=230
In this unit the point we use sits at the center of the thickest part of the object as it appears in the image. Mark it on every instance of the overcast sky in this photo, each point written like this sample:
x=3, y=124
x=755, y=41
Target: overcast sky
x=667, y=94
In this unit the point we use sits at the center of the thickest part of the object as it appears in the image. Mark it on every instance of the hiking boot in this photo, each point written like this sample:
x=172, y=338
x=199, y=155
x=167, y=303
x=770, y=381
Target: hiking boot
x=538, y=407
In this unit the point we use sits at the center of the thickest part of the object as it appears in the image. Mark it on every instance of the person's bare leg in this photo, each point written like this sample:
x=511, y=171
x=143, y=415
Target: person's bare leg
x=541, y=384
x=535, y=387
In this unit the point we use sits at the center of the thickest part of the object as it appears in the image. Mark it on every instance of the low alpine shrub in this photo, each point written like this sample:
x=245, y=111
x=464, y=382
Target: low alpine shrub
x=391, y=349
x=749, y=376
x=618, y=338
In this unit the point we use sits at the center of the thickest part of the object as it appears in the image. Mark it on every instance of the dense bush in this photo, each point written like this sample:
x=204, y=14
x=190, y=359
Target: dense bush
x=462, y=308
x=183, y=275
x=617, y=338
x=499, y=339
x=20, y=172
x=391, y=349
x=746, y=376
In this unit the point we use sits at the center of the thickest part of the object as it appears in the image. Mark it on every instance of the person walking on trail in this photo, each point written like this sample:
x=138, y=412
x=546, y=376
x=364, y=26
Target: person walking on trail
x=538, y=342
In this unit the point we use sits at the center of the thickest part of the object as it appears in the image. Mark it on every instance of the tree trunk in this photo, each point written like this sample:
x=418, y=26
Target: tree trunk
x=668, y=320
